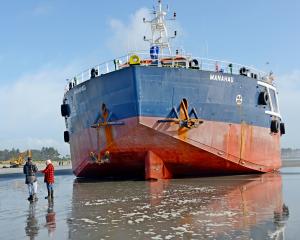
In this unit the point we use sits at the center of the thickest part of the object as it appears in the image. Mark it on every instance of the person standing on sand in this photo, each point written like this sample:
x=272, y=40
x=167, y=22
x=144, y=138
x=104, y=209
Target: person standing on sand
x=30, y=170
x=49, y=178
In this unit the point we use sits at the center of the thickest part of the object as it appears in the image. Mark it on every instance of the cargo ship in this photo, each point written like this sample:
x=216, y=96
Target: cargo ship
x=161, y=115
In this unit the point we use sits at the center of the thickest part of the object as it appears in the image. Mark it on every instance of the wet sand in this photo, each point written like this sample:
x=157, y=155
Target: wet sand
x=234, y=207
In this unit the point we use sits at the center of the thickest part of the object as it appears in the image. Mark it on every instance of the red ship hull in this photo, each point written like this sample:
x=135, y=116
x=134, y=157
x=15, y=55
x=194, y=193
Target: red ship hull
x=142, y=147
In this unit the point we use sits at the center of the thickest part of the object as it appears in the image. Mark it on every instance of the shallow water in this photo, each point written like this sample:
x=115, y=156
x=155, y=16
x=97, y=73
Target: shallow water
x=233, y=207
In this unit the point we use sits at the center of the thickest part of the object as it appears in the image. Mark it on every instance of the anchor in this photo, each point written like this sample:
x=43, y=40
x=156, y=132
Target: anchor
x=97, y=158
x=103, y=121
x=184, y=119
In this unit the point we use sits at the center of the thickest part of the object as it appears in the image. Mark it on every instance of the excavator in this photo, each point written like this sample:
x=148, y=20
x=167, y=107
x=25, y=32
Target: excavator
x=19, y=161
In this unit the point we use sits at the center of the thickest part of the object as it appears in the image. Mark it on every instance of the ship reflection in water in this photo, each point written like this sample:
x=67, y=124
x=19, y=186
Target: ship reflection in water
x=243, y=207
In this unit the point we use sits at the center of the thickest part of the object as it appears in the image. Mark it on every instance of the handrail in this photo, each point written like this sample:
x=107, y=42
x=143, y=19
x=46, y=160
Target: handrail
x=205, y=64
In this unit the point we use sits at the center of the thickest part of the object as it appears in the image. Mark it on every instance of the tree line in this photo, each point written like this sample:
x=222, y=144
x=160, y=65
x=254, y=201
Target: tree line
x=290, y=153
x=40, y=155
x=51, y=153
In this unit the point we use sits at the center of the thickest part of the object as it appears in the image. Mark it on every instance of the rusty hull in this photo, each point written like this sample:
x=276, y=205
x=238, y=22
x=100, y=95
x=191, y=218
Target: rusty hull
x=144, y=148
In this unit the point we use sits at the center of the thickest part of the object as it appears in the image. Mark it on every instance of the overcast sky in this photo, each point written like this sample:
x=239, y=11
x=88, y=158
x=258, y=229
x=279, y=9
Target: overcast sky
x=42, y=43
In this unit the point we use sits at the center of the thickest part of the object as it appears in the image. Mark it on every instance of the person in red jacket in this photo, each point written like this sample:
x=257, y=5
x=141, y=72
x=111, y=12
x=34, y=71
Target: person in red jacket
x=49, y=178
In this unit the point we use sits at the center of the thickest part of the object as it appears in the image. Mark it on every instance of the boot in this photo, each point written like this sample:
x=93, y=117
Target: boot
x=30, y=198
x=49, y=196
x=52, y=194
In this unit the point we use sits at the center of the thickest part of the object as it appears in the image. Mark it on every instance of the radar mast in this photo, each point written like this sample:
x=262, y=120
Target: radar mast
x=159, y=32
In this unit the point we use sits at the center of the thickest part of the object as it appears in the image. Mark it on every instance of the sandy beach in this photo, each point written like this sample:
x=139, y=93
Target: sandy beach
x=68, y=166
x=19, y=171
x=291, y=163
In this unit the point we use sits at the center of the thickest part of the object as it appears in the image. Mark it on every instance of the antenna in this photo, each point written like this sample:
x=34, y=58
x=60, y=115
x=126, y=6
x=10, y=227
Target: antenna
x=159, y=32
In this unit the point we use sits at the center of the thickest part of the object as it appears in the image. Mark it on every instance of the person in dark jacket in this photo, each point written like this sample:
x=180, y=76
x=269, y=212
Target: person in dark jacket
x=30, y=170
x=49, y=178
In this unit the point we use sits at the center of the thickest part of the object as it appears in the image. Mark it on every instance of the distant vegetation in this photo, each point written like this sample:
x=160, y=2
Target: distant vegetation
x=37, y=155
x=290, y=153
x=51, y=153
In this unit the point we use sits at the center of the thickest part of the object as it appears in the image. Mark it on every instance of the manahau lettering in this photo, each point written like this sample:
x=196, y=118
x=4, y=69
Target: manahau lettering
x=221, y=78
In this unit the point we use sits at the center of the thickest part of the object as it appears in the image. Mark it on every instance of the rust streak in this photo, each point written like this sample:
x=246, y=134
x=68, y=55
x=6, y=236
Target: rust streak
x=243, y=138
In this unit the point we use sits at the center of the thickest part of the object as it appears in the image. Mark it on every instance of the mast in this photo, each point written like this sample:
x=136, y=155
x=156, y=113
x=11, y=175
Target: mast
x=159, y=32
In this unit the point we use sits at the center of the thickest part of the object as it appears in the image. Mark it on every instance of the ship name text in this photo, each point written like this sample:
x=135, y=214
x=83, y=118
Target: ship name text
x=221, y=78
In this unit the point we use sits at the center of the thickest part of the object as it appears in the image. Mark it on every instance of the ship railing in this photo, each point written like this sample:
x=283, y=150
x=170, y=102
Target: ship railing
x=228, y=67
x=174, y=61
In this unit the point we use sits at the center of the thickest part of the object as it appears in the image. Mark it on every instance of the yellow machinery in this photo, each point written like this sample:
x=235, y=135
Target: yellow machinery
x=20, y=159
